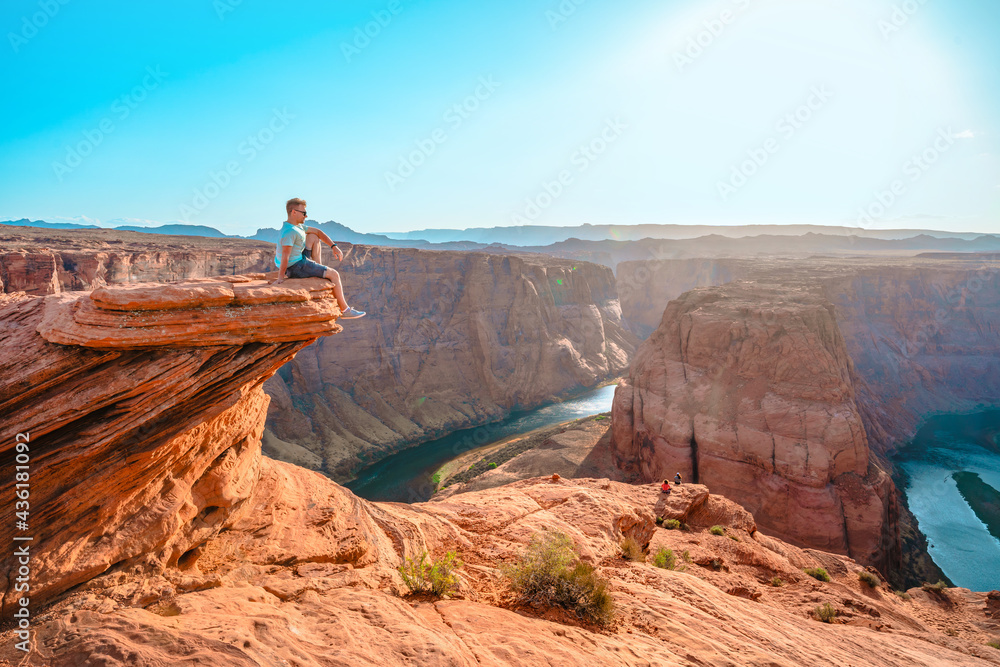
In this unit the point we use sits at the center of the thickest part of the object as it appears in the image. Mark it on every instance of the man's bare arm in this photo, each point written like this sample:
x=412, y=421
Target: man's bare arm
x=286, y=252
x=338, y=253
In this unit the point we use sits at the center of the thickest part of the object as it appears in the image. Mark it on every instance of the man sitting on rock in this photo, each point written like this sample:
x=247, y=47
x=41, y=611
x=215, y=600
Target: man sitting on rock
x=297, y=244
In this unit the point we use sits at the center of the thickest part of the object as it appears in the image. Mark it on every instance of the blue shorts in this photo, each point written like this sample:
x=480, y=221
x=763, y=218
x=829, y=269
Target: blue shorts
x=306, y=268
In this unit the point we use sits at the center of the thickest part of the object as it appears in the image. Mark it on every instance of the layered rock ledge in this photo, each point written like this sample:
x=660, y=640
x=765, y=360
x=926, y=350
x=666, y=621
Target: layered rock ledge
x=142, y=412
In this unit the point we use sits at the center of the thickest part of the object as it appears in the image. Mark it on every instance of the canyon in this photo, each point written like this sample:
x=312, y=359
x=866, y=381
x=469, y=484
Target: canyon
x=162, y=535
x=805, y=374
x=451, y=340
x=786, y=389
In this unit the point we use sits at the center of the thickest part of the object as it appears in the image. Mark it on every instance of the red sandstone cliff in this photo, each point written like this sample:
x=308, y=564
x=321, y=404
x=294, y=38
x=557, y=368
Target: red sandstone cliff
x=749, y=388
x=452, y=340
x=185, y=546
x=923, y=333
x=48, y=261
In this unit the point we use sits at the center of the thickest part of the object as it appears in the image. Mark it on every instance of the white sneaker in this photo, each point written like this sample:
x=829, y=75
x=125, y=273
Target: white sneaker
x=352, y=314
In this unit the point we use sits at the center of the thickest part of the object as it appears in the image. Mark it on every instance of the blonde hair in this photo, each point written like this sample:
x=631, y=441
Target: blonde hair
x=292, y=203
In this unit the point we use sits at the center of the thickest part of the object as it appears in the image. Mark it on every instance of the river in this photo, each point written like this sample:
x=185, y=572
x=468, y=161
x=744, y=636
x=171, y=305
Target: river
x=958, y=540
x=406, y=475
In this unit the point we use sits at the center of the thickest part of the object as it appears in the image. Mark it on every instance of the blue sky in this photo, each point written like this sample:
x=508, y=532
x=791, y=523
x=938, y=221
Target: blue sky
x=875, y=113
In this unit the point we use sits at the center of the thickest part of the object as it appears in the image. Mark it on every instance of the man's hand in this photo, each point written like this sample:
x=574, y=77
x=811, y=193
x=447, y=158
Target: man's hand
x=337, y=252
x=278, y=281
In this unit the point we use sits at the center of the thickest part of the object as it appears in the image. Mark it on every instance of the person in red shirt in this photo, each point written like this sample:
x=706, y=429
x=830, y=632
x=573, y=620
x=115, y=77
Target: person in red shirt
x=665, y=487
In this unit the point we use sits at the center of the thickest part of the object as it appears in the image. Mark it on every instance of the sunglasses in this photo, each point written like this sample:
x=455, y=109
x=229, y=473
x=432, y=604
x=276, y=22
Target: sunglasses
x=298, y=211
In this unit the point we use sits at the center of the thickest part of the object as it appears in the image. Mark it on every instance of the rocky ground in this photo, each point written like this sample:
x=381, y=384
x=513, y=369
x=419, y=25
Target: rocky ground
x=271, y=591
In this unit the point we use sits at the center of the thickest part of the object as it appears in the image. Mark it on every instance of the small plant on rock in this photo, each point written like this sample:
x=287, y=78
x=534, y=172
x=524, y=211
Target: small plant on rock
x=817, y=573
x=550, y=572
x=902, y=594
x=995, y=644
x=491, y=466
x=935, y=588
x=438, y=577
x=665, y=559
x=777, y=582
x=868, y=578
x=717, y=530
x=659, y=521
x=686, y=556
x=826, y=612
x=671, y=524
x=632, y=550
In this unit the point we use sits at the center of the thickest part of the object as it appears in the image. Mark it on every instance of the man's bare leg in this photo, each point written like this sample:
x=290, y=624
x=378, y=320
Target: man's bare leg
x=314, y=248
x=338, y=289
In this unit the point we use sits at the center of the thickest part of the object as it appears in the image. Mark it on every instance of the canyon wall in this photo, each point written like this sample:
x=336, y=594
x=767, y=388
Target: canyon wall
x=924, y=340
x=922, y=332
x=451, y=340
x=43, y=261
x=645, y=287
x=765, y=388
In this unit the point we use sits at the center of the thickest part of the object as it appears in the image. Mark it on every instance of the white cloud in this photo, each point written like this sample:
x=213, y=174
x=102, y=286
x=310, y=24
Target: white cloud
x=965, y=134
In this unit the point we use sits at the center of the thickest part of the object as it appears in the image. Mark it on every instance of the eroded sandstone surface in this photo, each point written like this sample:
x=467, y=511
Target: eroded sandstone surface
x=163, y=537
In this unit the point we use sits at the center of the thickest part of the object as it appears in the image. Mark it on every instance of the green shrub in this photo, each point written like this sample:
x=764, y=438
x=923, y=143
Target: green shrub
x=717, y=530
x=438, y=577
x=995, y=644
x=549, y=572
x=869, y=578
x=632, y=550
x=491, y=466
x=717, y=564
x=686, y=556
x=600, y=418
x=734, y=538
x=902, y=594
x=665, y=559
x=436, y=478
x=686, y=527
x=659, y=521
x=826, y=612
x=817, y=573
x=934, y=588
x=671, y=524
x=777, y=582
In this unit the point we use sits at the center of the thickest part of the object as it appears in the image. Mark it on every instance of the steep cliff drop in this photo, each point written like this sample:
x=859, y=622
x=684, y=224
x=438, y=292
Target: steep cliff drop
x=749, y=388
x=452, y=340
x=161, y=536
